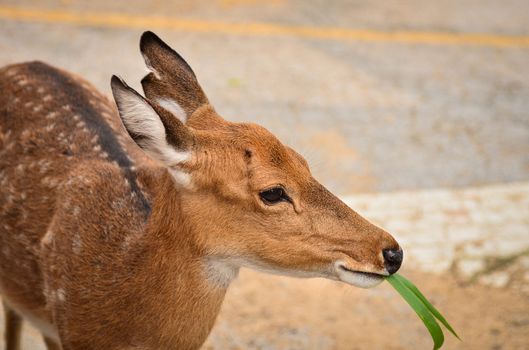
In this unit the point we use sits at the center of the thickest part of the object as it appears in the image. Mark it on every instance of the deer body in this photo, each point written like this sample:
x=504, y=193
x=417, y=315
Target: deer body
x=107, y=245
x=80, y=216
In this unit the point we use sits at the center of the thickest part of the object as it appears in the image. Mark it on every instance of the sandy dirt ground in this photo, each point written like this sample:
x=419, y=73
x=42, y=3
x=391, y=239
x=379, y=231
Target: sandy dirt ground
x=427, y=138
x=269, y=312
x=263, y=312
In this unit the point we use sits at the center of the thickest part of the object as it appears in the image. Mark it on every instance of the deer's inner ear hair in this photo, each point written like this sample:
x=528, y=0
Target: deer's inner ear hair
x=145, y=126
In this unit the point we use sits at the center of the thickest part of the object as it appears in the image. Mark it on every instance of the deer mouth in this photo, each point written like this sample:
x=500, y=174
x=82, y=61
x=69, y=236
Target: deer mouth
x=358, y=278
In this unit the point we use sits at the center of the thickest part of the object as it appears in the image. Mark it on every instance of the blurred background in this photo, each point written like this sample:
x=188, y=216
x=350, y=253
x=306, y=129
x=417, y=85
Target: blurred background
x=415, y=112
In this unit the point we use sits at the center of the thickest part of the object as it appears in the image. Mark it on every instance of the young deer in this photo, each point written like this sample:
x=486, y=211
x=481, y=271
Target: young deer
x=107, y=245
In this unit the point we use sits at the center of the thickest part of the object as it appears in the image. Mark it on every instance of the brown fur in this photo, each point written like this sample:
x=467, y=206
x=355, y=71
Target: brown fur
x=103, y=247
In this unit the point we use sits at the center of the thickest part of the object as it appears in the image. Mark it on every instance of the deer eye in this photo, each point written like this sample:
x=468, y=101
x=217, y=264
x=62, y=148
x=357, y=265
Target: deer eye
x=274, y=196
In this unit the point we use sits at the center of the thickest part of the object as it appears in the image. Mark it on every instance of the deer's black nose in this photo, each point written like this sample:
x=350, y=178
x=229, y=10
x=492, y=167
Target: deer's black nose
x=392, y=259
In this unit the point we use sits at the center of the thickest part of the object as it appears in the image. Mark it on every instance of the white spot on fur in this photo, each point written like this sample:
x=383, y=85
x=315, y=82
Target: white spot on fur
x=119, y=203
x=11, y=72
x=37, y=108
x=61, y=294
x=22, y=82
x=40, y=90
x=47, y=98
x=81, y=124
x=43, y=164
x=77, y=244
x=96, y=148
x=103, y=155
x=173, y=107
x=51, y=115
x=67, y=108
x=76, y=210
x=130, y=239
x=48, y=181
x=48, y=237
x=50, y=127
x=28, y=104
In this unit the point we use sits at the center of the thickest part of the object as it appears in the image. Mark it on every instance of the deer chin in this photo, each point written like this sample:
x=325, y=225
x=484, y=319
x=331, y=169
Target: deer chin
x=357, y=278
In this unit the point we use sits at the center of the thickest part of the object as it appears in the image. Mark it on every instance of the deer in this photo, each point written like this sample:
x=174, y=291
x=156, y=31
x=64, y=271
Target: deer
x=123, y=223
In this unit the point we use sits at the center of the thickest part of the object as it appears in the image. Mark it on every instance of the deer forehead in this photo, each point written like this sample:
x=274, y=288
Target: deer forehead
x=248, y=150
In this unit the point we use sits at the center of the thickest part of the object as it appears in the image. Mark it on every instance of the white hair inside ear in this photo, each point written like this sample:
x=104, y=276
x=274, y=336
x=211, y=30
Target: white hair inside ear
x=150, y=68
x=147, y=129
x=173, y=107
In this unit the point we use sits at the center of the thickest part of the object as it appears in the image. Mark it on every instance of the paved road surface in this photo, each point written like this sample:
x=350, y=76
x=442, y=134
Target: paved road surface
x=371, y=115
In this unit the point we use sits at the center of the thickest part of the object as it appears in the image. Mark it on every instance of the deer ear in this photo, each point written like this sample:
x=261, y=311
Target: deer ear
x=172, y=84
x=155, y=130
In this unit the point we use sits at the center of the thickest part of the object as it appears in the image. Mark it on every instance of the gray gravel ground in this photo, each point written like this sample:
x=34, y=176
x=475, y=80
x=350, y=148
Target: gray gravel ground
x=369, y=116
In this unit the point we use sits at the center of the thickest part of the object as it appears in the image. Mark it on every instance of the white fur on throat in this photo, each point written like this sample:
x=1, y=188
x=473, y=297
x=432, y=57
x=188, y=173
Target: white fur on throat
x=141, y=119
x=220, y=272
x=223, y=270
x=172, y=107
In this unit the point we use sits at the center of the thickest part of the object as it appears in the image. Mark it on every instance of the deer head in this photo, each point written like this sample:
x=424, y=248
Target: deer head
x=251, y=200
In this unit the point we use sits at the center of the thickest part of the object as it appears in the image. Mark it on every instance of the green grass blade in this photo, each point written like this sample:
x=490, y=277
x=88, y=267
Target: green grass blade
x=426, y=303
x=420, y=309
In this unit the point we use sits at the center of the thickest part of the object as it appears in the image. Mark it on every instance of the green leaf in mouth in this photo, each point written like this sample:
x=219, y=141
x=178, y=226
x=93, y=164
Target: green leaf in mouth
x=422, y=307
x=426, y=303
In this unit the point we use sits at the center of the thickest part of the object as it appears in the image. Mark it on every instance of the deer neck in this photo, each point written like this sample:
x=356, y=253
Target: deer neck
x=184, y=297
